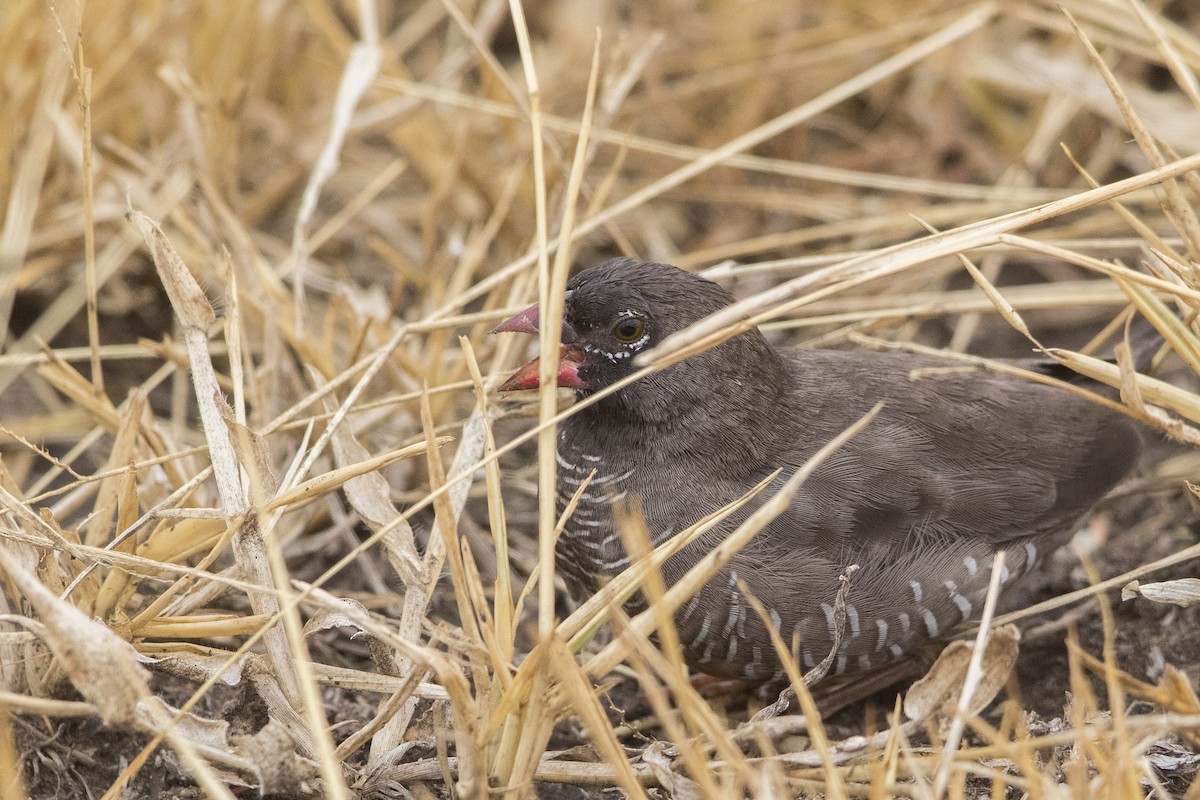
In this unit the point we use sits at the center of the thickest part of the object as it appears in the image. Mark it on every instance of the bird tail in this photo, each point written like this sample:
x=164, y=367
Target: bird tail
x=1144, y=343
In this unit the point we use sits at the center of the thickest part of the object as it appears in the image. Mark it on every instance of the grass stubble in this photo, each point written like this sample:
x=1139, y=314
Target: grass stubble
x=252, y=446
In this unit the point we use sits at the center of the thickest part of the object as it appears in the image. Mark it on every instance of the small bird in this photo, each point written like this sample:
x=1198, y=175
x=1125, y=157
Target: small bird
x=958, y=465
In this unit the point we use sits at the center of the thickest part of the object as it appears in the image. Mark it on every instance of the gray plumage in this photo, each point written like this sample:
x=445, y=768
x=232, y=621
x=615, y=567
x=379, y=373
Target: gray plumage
x=957, y=465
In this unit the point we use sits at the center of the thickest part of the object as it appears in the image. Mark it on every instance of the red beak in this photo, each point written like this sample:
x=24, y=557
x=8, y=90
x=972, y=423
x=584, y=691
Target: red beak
x=525, y=322
x=570, y=355
x=569, y=359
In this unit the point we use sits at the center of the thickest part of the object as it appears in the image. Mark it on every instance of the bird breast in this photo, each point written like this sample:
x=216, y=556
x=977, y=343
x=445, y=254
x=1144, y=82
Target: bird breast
x=590, y=545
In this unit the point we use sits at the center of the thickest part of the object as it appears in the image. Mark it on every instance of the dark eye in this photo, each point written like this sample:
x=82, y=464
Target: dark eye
x=629, y=329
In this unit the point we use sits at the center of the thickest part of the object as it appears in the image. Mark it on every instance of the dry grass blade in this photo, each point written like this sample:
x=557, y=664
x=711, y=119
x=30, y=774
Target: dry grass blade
x=1188, y=225
x=1153, y=390
x=799, y=684
x=24, y=187
x=330, y=481
x=968, y=703
x=196, y=314
x=362, y=65
x=504, y=611
x=577, y=686
x=251, y=448
x=442, y=536
x=1182, y=339
x=368, y=494
x=818, y=673
x=716, y=328
x=103, y=668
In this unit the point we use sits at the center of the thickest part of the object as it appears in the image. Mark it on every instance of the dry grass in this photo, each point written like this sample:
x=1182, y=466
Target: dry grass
x=256, y=512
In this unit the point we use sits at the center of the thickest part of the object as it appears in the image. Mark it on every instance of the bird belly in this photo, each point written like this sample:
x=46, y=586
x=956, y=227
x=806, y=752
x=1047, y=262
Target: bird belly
x=885, y=619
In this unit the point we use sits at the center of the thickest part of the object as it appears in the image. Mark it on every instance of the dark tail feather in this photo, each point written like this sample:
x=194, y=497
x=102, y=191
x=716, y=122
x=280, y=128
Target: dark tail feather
x=1144, y=342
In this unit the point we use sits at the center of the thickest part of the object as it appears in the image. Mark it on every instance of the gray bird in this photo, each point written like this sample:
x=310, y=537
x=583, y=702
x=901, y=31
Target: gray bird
x=957, y=466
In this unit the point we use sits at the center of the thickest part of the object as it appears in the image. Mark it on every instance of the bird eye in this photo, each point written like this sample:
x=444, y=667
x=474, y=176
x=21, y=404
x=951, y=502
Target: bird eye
x=629, y=329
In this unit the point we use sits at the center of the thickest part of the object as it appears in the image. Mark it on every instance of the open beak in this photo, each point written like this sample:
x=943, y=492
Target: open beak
x=570, y=355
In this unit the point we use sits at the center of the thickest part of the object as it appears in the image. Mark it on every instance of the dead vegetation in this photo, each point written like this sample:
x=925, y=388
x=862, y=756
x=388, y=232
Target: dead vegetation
x=264, y=525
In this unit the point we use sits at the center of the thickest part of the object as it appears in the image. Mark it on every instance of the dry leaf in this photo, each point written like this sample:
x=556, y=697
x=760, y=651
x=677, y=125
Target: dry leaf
x=381, y=652
x=101, y=665
x=937, y=692
x=1183, y=592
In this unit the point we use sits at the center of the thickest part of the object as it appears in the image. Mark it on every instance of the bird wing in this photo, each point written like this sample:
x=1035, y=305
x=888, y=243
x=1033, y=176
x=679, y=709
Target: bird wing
x=952, y=453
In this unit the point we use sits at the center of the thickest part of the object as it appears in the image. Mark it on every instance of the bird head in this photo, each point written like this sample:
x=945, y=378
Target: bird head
x=611, y=313
x=622, y=307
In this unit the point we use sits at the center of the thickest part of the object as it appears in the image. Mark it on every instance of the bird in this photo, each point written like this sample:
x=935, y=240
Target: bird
x=959, y=464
